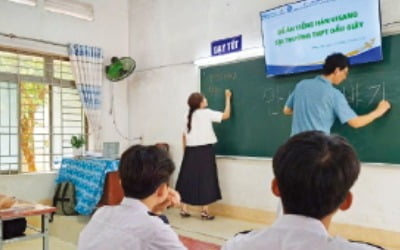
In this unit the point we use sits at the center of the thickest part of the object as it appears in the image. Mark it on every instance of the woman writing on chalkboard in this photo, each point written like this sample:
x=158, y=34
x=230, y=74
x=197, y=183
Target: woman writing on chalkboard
x=198, y=179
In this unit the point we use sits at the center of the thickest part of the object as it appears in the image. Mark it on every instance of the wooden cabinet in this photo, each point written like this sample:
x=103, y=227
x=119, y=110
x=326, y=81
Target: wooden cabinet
x=112, y=193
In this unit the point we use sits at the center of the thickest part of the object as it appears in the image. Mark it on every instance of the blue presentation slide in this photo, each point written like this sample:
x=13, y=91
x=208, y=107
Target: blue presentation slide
x=298, y=37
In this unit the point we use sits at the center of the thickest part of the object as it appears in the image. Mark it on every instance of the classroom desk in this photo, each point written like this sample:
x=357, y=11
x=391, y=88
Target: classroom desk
x=88, y=175
x=26, y=209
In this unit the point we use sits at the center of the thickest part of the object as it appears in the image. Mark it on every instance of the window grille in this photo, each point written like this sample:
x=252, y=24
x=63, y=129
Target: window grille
x=40, y=111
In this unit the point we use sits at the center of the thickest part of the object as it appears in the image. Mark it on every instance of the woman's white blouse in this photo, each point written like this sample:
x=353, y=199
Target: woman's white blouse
x=202, y=132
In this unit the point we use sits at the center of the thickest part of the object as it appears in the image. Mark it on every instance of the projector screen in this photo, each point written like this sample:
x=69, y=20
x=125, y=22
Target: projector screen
x=298, y=37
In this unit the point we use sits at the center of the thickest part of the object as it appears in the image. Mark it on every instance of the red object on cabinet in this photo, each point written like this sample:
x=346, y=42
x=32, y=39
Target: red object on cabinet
x=112, y=193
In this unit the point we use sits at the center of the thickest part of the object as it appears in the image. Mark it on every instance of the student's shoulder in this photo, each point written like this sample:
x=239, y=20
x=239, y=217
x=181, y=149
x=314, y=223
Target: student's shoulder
x=150, y=228
x=102, y=211
x=341, y=243
x=157, y=224
x=163, y=236
x=247, y=240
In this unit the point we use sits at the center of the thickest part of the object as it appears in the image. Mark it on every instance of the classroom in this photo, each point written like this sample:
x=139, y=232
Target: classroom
x=171, y=45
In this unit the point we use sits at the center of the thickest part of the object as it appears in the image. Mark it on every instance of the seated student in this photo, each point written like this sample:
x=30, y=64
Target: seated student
x=313, y=175
x=144, y=172
x=6, y=201
x=15, y=227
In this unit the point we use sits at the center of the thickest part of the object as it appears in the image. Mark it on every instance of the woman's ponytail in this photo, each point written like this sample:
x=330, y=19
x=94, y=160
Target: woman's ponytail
x=194, y=102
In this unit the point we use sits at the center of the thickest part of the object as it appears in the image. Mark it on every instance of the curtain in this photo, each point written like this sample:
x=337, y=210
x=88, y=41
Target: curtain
x=87, y=67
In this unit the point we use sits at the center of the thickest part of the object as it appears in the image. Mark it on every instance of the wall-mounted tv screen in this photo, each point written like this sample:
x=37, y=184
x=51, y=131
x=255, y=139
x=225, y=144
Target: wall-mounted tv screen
x=298, y=36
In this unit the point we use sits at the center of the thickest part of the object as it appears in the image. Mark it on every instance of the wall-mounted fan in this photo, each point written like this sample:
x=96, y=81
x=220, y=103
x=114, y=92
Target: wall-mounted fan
x=120, y=68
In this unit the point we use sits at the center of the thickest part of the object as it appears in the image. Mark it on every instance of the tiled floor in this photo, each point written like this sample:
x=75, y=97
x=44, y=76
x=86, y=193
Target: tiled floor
x=215, y=231
x=55, y=244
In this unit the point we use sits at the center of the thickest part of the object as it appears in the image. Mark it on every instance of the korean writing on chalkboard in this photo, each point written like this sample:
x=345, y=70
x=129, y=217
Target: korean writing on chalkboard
x=364, y=94
x=216, y=90
x=275, y=98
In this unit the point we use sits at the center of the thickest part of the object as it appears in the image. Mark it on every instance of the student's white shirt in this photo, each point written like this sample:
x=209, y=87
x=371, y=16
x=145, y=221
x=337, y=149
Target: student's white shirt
x=127, y=226
x=202, y=132
x=292, y=232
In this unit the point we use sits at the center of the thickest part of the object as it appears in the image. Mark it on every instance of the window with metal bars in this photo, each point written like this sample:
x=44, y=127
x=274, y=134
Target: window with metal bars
x=40, y=111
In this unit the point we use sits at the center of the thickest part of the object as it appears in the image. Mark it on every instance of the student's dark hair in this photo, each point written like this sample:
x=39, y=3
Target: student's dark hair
x=143, y=169
x=194, y=102
x=337, y=60
x=314, y=172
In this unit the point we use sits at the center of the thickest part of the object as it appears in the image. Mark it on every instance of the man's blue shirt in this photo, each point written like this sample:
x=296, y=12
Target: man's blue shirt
x=316, y=104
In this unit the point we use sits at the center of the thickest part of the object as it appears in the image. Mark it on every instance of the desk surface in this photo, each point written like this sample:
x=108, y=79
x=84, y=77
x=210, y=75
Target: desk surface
x=24, y=209
x=88, y=176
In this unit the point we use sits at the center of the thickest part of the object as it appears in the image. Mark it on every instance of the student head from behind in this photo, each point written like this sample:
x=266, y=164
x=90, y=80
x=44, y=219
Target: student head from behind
x=314, y=173
x=336, y=68
x=145, y=172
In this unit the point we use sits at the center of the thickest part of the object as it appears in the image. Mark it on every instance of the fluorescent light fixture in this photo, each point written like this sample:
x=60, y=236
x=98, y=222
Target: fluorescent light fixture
x=245, y=54
x=70, y=8
x=26, y=2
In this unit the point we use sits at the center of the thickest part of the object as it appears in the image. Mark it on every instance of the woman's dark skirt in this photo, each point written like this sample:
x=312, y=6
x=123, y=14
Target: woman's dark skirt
x=198, y=179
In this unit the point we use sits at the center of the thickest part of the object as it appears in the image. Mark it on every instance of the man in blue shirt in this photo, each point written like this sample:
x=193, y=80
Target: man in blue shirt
x=315, y=103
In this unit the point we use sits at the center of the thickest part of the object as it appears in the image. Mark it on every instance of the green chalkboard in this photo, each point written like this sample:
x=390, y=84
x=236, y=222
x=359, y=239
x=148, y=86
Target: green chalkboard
x=258, y=127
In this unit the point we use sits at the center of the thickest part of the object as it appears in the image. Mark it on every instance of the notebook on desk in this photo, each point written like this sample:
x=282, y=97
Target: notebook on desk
x=111, y=150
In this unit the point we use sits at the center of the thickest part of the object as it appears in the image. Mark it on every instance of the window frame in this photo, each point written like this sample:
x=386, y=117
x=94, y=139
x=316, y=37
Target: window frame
x=49, y=80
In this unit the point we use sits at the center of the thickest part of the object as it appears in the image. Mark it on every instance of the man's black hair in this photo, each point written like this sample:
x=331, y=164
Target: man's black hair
x=314, y=172
x=143, y=169
x=337, y=60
